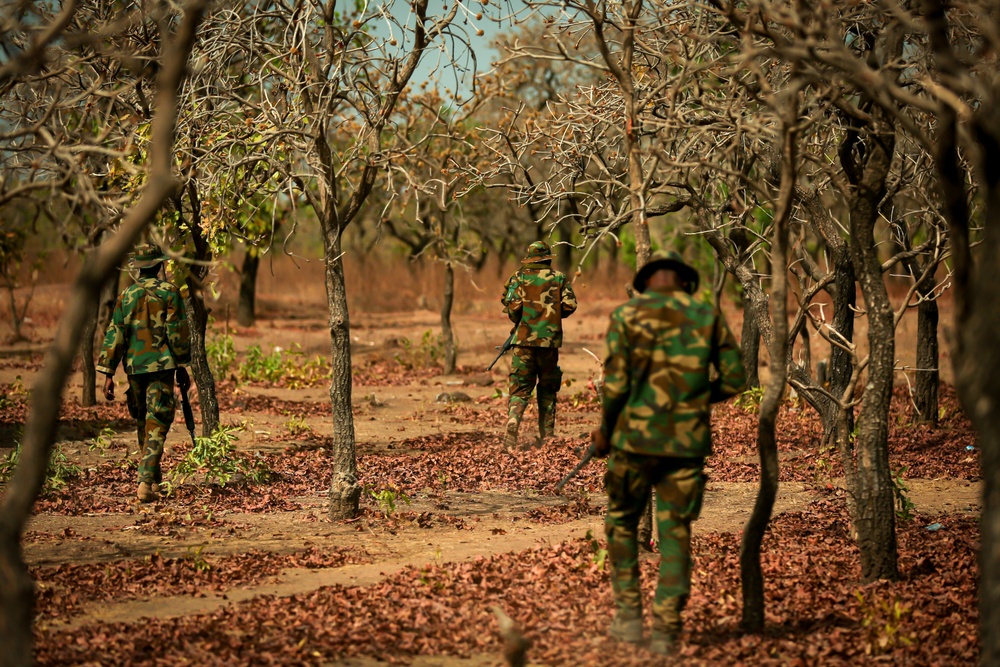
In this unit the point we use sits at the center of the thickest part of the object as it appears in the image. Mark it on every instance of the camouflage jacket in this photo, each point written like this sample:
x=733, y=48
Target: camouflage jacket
x=538, y=298
x=148, y=330
x=657, y=393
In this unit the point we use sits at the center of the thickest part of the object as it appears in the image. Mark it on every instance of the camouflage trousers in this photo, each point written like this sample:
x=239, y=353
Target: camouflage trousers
x=679, y=485
x=531, y=365
x=154, y=401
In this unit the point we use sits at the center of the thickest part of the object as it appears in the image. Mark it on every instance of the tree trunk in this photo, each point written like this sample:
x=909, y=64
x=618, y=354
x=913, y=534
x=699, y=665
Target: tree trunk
x=844, y=307
x=208, y=401
x=750, y=345
x=450, y=349
x=246, y=312
x=751, y=572
x=875, y=518
x=925, y=390
x=197, y=314
x=345, y=492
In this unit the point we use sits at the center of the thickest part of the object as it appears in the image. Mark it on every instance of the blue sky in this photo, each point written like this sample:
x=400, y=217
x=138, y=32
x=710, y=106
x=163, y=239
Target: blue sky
x=441, y=54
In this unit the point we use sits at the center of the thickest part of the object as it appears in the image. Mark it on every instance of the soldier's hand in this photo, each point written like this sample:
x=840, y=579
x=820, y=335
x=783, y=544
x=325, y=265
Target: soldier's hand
x=109, y=388
x=602, y=446
x=183, y=379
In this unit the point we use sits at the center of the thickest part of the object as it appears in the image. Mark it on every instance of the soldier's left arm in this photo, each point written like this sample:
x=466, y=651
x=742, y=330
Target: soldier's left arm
x=615, y=390
x=178, y=329
x=732, y=378
x=569, y=304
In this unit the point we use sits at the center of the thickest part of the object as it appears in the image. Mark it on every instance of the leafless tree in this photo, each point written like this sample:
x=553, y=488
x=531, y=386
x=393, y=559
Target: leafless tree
x=16, y=588
x=706, y=81
x=437, y=143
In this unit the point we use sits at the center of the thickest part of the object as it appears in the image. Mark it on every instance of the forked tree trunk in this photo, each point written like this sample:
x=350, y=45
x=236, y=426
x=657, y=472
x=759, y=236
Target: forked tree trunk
x=246, y=307
x=975, y=354
x=875, y=518
x=16, y=588
x=450, y=349
x=345, y=492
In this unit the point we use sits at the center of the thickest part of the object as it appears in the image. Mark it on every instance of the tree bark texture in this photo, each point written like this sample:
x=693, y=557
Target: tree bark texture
x=345, y=492
x=875, y=518
x=246, y=306
x=208, y=402
x=447, y=334
x=16, y=587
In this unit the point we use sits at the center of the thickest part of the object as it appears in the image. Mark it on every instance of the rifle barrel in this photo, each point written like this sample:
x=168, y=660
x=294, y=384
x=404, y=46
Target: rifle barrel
x=579, y=466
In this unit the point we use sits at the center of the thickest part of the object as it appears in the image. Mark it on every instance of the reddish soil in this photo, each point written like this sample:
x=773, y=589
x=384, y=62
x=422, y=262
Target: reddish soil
x=258, y=574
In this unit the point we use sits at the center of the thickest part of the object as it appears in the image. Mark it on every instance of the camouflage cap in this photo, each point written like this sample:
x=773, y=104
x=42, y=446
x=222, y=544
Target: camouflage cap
x=539, y=251
x=147, y=255
x=666, y=259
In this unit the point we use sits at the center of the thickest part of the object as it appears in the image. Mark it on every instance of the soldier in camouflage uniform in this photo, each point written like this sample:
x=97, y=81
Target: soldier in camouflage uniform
x=149, y=333
x=536, y=299
x=655, y=431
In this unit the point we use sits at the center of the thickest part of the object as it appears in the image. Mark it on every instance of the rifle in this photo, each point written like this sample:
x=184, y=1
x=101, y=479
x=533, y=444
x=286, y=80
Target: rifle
x=509, y=343
x=188, y=413
x=591, y=451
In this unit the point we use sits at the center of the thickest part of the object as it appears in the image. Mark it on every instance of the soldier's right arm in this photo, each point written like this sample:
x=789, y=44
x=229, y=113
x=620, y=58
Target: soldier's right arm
x=115, y=341
x=615, y=390
x=512, y=299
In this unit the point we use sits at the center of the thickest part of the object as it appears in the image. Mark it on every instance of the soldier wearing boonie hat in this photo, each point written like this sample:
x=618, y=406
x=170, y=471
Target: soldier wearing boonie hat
x=656, y=408
x=149, y=335
x=536, y=298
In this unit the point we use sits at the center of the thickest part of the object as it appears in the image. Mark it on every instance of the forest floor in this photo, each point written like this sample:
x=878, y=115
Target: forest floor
x=452, y=525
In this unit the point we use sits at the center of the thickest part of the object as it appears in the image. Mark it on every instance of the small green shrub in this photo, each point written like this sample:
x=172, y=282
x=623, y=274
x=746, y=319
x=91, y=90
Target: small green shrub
x=13, y=394
x=58, y=474
x=386, y=498
x=286, y=366
x=259, y=367
x=882, y=621
x=221, y=353
x=904, y=506
x=425, y=354
x=297, y=426
x=216, y=458
x=103, y=440
x=749, y=401
x=194, y=555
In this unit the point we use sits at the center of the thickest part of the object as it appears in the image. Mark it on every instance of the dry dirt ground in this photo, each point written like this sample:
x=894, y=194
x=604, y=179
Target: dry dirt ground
x=389, y=413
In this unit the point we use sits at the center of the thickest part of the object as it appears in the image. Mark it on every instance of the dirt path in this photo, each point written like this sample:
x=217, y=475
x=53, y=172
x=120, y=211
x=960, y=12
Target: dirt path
x=386, y=414
x=727, y=506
